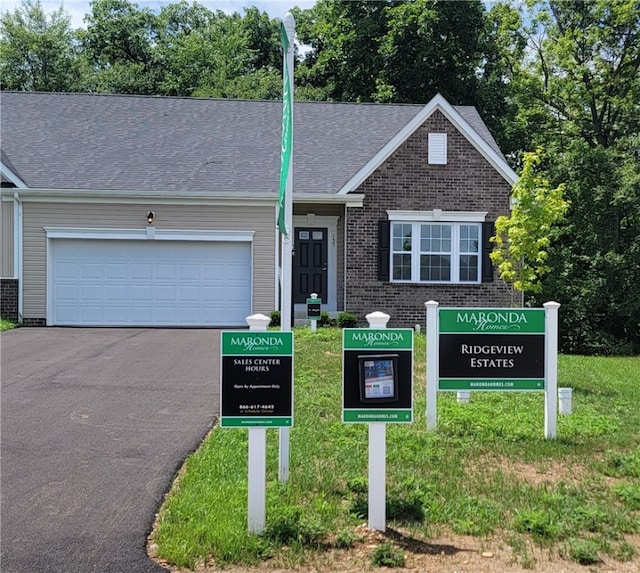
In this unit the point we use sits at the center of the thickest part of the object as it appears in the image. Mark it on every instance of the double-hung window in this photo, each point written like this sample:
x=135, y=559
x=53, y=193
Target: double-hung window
x=436, y=251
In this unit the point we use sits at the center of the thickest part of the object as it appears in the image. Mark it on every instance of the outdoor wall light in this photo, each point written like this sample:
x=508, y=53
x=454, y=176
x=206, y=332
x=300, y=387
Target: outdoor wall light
x=151, y=215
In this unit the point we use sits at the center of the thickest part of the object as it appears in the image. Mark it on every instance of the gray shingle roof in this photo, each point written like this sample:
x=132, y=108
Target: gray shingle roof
x=192, y=146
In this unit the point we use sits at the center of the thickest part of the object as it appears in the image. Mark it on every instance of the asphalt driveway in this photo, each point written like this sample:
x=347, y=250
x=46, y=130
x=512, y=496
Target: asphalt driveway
x=95, y=423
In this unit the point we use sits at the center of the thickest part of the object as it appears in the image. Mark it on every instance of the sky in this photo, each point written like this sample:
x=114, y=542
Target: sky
x=78, y=8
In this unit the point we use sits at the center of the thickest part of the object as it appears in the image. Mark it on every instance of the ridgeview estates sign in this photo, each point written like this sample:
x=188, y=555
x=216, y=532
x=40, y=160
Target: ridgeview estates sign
x=493, y=349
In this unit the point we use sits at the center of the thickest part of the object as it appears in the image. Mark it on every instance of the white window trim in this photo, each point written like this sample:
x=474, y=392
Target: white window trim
x=437, y=215
x=416, y=253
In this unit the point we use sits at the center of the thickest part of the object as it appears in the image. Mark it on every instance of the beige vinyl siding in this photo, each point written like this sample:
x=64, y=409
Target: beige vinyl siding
x=6, y=237
x=257, y=218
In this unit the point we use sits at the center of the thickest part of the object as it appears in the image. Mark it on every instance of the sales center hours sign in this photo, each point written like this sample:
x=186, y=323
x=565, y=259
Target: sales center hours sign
x=491, y=349
x=256, y=379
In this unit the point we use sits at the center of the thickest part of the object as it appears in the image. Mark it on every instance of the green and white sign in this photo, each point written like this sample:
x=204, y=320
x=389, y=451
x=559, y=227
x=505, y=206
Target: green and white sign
x=484, y=349
x=377, y=375
x=492, y=320
x=314, y=308
x=256, y=379
x=493, y=349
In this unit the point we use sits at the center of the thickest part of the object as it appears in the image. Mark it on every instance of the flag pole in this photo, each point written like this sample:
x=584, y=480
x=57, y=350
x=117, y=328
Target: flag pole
x=285, y=216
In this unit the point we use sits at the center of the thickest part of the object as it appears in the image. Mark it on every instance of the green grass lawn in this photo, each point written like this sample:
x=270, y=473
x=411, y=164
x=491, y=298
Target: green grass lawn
x=486, y=470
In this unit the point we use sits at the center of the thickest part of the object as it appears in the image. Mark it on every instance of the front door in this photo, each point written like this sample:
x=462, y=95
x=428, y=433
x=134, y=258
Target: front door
x=310, y=264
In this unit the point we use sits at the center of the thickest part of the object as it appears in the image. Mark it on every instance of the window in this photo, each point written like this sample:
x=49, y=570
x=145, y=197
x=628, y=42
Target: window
x=432, y=252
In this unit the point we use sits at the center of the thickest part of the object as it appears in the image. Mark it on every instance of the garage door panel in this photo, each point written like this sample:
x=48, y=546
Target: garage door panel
x=90, y=313
x=91, y=271
x=91, y=293
x=144, y=283
x=115, y=271
x=166, y=272
x=115, y=293
x=189, y=272
x=141, y=271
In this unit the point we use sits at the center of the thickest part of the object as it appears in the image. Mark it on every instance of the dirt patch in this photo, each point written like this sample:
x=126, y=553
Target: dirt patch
x=446, y=554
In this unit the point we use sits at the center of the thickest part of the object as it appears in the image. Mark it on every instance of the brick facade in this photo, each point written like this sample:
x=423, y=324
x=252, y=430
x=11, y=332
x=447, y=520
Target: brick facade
x=9, y=299
x=405, y=181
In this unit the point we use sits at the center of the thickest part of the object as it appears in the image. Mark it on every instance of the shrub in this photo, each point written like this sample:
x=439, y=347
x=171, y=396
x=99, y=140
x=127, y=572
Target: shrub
x=326, y=320
x=347, y=320
x=275, y=318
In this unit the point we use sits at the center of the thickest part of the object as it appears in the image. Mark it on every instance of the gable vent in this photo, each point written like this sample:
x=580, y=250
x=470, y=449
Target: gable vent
x=437, y=149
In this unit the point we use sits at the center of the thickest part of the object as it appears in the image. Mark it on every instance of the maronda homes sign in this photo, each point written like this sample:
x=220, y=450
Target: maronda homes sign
x=491, y=349
x=377, y=375
x=257, y=379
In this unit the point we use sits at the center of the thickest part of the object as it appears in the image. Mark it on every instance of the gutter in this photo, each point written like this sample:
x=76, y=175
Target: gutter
x=17, y=251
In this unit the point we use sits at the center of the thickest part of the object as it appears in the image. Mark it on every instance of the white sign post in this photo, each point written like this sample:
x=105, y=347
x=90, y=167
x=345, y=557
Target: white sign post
x=377, y=453
x=432, y=364
x=256, y=392
x=257, y=470
x=551, y=369
x=377, y=387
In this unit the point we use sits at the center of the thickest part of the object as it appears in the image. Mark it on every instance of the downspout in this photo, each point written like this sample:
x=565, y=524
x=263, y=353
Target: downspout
x=17, y=251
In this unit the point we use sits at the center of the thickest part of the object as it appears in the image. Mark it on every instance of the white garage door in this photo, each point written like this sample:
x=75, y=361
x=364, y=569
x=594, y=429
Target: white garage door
x=149, y=283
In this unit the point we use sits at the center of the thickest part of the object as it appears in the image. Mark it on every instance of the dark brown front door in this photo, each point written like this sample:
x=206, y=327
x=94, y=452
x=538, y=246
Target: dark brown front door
x=310, y=264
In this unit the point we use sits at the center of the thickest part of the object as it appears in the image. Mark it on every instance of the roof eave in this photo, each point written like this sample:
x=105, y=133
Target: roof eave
x=129, y=196
x=11, y=176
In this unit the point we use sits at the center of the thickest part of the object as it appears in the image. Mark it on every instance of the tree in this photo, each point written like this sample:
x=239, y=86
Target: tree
x=118, y=47
x=201, y=51
x=344, y=60
x=522, y=239
x=578, y=93
x=38, y=52
x=583, y=68
x=408, y=51
x=431, y=47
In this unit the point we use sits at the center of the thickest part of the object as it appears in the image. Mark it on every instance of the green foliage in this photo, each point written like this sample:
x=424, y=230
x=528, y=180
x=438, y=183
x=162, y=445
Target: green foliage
x=578, y=92
x=407, y=507
x=326, y=320
x=620, y=464
x=629, y=494
x=38, y=51
x=347, y=320
x=540, y=524
x=595, y=260
x=388, y=555
x=275, y=318
x=584, y=551
x=522, y=239
x=6, y=325
x=286, y=526
x=345, y=539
